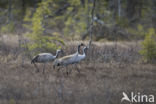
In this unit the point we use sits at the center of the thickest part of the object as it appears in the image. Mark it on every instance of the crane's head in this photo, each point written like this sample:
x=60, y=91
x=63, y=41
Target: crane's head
x=81, y=44
x=85, y=49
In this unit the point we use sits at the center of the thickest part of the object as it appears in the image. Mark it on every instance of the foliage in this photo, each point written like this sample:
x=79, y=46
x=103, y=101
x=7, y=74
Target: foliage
x=72, y=18
x=139, y=33
x=8, y=28
x=122, y=22
x=40, y=39
x=149, y=46
x=78, y=19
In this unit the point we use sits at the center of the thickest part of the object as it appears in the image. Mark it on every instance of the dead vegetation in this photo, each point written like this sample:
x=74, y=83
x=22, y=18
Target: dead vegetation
x=108, y=70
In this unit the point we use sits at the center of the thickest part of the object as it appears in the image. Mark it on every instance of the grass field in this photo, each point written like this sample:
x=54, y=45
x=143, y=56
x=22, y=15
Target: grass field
x=108, y=70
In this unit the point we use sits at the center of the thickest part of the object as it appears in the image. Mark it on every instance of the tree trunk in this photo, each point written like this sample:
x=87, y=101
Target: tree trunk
x=154, y=15
x=119, y=8
x=9, y=11
x=131, y=4
x=91, y=25
x=23, y=8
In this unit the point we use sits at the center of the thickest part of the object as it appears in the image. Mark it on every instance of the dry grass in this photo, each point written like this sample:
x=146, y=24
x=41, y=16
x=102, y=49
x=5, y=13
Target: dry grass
x=98, y=83
x=107, y=71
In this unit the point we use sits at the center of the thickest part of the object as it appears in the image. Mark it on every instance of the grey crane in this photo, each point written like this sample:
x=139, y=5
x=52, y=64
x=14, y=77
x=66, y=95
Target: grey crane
x=80, y=57
x=69, y=59
x=44, y=58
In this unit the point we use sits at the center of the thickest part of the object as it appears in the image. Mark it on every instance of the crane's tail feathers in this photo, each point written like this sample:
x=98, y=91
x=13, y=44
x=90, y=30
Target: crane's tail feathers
x=34, y=59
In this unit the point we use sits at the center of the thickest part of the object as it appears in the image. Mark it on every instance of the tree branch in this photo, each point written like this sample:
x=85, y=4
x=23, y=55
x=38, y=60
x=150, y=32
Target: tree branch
x=91, y=24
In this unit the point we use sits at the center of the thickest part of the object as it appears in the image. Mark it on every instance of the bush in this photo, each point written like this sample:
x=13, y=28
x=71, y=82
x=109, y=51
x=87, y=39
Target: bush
x=149, y=46
x=41, y=41
x=8, y=28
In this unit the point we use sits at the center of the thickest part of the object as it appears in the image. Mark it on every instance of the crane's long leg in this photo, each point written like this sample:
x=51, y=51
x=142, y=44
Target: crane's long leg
x=70, y=70
x=43, y=68
x=58, y=69
x=77, y=68
x=67, y=70
x=37, y=69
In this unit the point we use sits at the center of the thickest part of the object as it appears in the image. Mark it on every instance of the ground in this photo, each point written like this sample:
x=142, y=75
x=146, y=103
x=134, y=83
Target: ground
x=107, y=71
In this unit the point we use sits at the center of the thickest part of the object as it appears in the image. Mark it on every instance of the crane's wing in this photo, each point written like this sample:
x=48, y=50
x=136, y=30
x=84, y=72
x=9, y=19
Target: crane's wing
x=45, y=54
x=34, y=59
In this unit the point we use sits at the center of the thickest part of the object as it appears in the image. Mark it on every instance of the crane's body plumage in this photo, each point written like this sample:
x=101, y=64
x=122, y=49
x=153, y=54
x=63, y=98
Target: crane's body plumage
x=81, y=57
x=70, y=59
x=44, y=58
x=66, y=60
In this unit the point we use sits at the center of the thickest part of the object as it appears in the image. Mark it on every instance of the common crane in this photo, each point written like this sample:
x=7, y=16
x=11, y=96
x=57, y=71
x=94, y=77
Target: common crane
x=44, y=58
x=80, y=57
x=69, y=59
